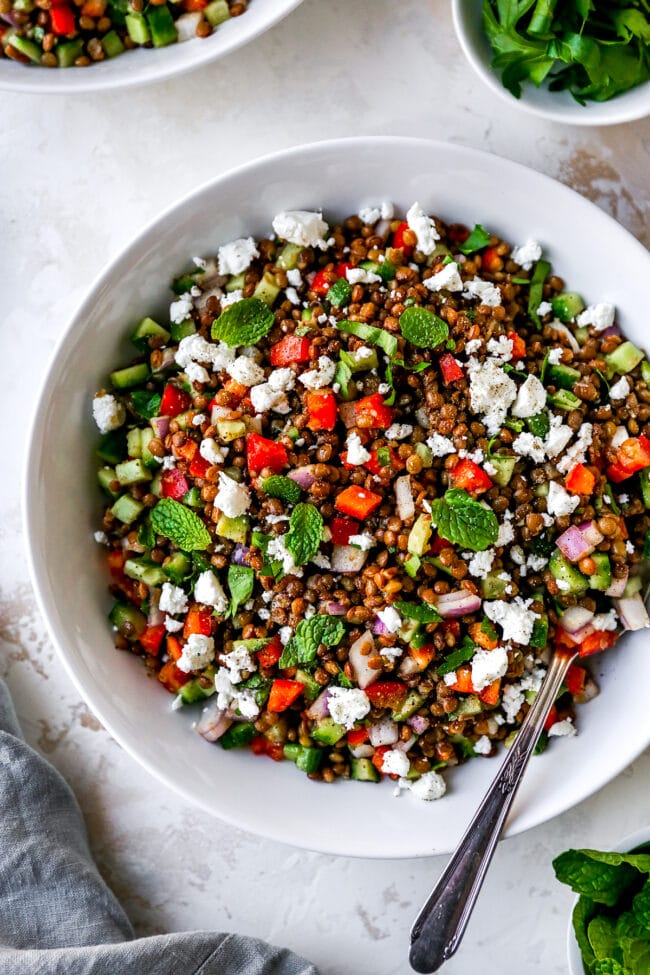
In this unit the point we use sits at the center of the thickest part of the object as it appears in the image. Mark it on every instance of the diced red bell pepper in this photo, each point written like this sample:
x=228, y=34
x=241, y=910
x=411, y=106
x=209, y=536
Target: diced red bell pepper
x=192, y=5
x=422, y=655
x=174, y=401
x=580, y=480
x=269, y=655
x=617, y=473
x=262, y=746
x=451, y=626
x=553, y=718
x=438, y=544
x=373, y=406
x=373, y=465
x=323, y=281
x=62, y=19
x=342, y=529
x=595, y=642
x=261, y=453
x=490, y=694
x=172, y=678
x=173, y=484
x=174, y=647
x=463, y=683
x=357, y=502
x=490, y=260
x=199, y=466
x=322, y=410
x=198, y=621
x=470, y=476
x=632, y=456
x=378, y=757
x=518, y=345
x=152, y=638
x=291, y=348
x=451, y=371
x=386, y=693
x=575, y=680
x=116, y=559
x=283, y=694
x=398, y=239
x=187, y=451
x=357, y=737
x=483, y=639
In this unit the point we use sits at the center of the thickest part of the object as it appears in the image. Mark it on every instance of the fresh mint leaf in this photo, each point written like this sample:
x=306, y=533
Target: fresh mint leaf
x=309, y=634
x=422, y=612
x=583, y=912
x=629, y=927
x=462, y=655
x=305, y=533
x=241, y=580
x=146, y=534
x=602, y=882
x=383, y=456
x=641, y=907
x=421, y=327
x=145, y=403
x=375, y=336
x=463, y=521
x=261, y=687
x=253, y=645
x=487, y=627
x=478, y=239
x=244, y=323
x=601, y=932
x=609, y=966
x=278, y=486
x=340, y=293
x=180, y=525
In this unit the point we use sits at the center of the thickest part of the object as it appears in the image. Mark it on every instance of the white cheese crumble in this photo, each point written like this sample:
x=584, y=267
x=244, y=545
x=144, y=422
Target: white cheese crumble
x=347, y=705
x=528, y=445
x=601, y=316
x=292, y=296
x=322, y=376
x=511, y=701
x=531, y=398
x=440, y=446
x=359, y=275
x=526, y=255
x=506, y=531
x=371, y=214
x=395, y=762
x=264, y=398
x=557, y=437
x=238, y=662
x=391, y=653
x=448, y=279
x=243, y=370
x=282, y=380
x=236, y=256
x=209, y=591
x=173, y=626
x=357, y=453
x=473, y=346
x=545, y=308
x=500, y=349
x=620, y=389
x=197, y=653
x=173, y=599
x=231, y=698
x=108, y=413
x=492, y=391
x=483, y=745
x=294, y=277
x=488, y=666
x=424, y=229
x=481, y=563
x=390, y=618
x=450, y=678
x=232, y=499
x=181, y=309
x=620, y=436
x=231, y=298
x=278, y=551
x=428, y=787
x=101, y=538
x=487, y=293
x=196, y=373
x=364, y=541
x=562, y=729
x=194, y=348
x=303, y=227
x=605, y=621
x=399, y=431
x=515, y=618
x=211, y=451
x=559, y=502
x=199, y=419
x=577, y=451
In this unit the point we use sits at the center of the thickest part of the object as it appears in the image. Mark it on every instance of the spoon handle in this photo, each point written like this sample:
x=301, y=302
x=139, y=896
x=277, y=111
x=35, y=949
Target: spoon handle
x=440, y=926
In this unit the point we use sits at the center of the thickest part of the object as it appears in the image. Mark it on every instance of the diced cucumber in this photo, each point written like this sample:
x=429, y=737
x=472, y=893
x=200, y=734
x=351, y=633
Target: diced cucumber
x=328, y=731
x=505, y=468
x=567, y=306
x=539, y=425
x=356, y=363
x=408, y=629
x=105, y=477
x=112, y=447
x=177, y=567
x=645, y=372
x=343, y=379
x=307, y=759
x=468, y=705
x=148, y=572
x=148, y=459
x=573, y=581
x=235, y=529
x=267, y=290
x=130, y=376
x=238, y=735
x=137, y=28
x=193, y=498
x=230, y=429
x=162, y=26
x=425, y=454
x=363, y=770
x=112, y=44
x=312, y=687
x=634, y=585
x=288, y=256
x=492, y=587
x=27, y=47
x=194, y=691
x=184, y=420
x=602, y=577
x=68, y=52
x=385, y=269
x=410, y=705
x=156, y=485
x=236, y=283
x=644, y=478
x=420, y=535
x=564, y=377
x=180, y=330
x=147, y=328
x=565, y=400
x=540, y=272
x=539, y=636
x=125, y=613
x=434, y=560
x=126, y=509
x=134, y=443
x=623, y=359
x=132, y=472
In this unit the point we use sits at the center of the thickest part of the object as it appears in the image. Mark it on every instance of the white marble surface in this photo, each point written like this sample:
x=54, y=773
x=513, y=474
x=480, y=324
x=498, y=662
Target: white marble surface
x=79, y=178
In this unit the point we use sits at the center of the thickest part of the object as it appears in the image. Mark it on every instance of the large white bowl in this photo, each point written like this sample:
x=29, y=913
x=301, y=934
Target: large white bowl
x=61, y=505
x=143, y=67
x=559, y=106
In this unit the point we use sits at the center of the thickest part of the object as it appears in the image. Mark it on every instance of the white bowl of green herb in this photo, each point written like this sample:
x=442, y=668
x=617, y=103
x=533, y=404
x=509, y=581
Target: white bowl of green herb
x=585, y=62
x=609, y=930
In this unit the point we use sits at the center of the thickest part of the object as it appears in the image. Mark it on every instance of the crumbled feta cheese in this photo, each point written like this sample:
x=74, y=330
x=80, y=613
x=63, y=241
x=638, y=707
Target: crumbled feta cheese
x=605, y=621
x=511, y=700
x=365, y=541
x=238, y=662
x=629, y=547
x=428, y=787
x=200, y=262
x=285, y=633
x=395, y=762
x=173, y=599
x=197, y=653
x=485, y=291
x=473, y=346
x=500, y=349
x=448, y=279
x=232, y=499
x=231, y=298
x=357, y=453
x=322, y=562
x=527, y=445
x=481, y=563
x=208, y=590
x=623, y=498
x=276, y=519
x=554, y=355
x=303, y=227
x=108, y=413
x=243, y=370
x=236, y=256
x=559, y=502
x=526, y=255
x=450, y=678
x=483, y=745
x=531, y=398
x=399, y=431
x=601, y=316
x=391, y=653
x=476, y=455
x=557, y=437
x=359, y=275
x=424, y=229
x=199, y=419
x=545, y=308
x=101, y=538
x=536, y=563
x=168, y=463
x=292, y=296
x=492, y=391
x=181, y=309
x=515, y=618
x=562, y=729
x=196, y=373
x=231, y=698
x=294, y=277
x=194, y=348
x=172, y=625
x=577, y=451
x=440, y=446
x=488, y=666
x=347, y=705
x=370, y=215
x=620, y=436
x=211, y=451
x=277, y=550
x=506, y=531
x=282, y=380
x=322, y=376
x=264, y=398
x=620, y=389
x=390, y=618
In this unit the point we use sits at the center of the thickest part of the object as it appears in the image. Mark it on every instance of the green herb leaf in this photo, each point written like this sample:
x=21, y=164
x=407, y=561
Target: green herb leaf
x=145, y=403
x=305, y=533
x=583, y=912
x=180, y=525
x=278, y=486
x=478, y=238
x=261, y=687
x=340, y=293
x=303, y=646
x=602, y=936
x=609, y=966
x=488, y=627
x=383, y=456
x=540, y=273
x=462, y=655
x=146, y=534
x=422, y=612
x=463, y=521
x=253, y=645
x=412, y=565
x=241, y=580
x=422, y=328
x=375, y=336
x=603, y=877
x=244, y=323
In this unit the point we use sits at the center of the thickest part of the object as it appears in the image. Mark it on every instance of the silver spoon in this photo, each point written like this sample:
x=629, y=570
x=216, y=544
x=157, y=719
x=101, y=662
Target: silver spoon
x=440, y=926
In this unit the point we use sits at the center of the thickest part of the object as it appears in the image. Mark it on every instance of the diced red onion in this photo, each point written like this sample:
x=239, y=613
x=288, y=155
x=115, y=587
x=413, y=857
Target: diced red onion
x=186, y=25
x=348, y=414
x=588, y=692
x=406, y=746
x=131, y=546
x=303, y=477
x=575, y=542
x=383, y=732
x=362, y=751
x=240, y=555
x=335, y=609
x=166, y=360
x=610, y=330
x=632, y=612
x=589, y=531
x=404, y=497
x=363, y=672
x=379, y=628
x=458, y=603
x=422, y=417
x=568, y=334
x=574, y=618
x=310, y=277
x=381, y=229
x=419, y=723
x=155, y=617
x=409, y=666
x=160, y=426
x=213, y=722
x=319, y=708
x=348, y=559
x=618, y=585
x=579, y=635
x=460, y=258
x=9, y=19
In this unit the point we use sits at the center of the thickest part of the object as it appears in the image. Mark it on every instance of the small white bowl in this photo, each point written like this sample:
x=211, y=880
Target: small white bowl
x=626, y=845
x=144, y=67
x=559, y=106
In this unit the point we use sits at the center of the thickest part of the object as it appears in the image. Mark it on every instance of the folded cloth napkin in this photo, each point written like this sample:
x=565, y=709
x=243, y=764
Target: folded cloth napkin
x=58, y=917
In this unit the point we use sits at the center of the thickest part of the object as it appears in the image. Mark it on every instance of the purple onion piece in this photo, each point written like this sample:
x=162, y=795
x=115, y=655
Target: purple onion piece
x=240, y=554
x=618, y=585
x=632, y=612
x=574, y=618
x=160, y=426
x=419, y=723
x=363, y=673
x=611, y=330
x=459, y=603
x=383, y=732
x=348, y=559
x=166, y=360
x=303, y=477
x=213, y=723
x=319, y=708
x=379, y=628
x=362, y=751
x=573, y=544
x=589, y=531
x=335, y=609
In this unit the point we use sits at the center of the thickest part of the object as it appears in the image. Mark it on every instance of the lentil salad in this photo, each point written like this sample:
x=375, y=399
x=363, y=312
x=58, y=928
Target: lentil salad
x=363, y=481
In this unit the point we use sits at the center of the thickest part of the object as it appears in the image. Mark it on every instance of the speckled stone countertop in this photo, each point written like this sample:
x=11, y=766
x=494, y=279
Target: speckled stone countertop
x=80, y=176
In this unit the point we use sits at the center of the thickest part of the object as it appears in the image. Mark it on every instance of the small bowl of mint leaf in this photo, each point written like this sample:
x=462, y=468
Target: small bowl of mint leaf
x=609, y=930
x=584, y=62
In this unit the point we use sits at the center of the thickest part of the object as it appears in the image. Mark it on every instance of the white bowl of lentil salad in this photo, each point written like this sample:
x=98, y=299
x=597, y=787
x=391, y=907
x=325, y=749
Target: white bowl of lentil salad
x=63, y=511
x=101, y=45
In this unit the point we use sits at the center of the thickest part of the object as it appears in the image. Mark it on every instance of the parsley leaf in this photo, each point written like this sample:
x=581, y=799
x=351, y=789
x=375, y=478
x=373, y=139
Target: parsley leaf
x=145, y=403
x=182, y=526
x=422, y=613
x=305, y=533
x=463, y=521
x=303, y=646
x=278, y=486
x=422, y=328
x=478, y=238
x=375, y=336
x=244, y=323
x=462, y=655
x=340, y=293
x=241, y=579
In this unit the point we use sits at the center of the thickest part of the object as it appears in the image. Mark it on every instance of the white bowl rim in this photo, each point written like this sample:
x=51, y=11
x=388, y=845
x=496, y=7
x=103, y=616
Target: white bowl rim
x=31, y=474
x=590, y=116
x=69, y=82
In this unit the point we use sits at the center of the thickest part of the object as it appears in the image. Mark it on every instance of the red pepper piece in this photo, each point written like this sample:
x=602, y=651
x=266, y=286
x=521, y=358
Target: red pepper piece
x=386, y=693
x=373, y=406
x=199, y=466
x=198, y=621
x=261, y=453
x=451, y=371
x=342, y=529
x=283, y=694
x=269, y=655
x=632, y=456
x=378, y=757
x=470, y=476
x=152, y=638
x=398, y=239
x=575, y=680
x=172, y=678
x=174, y=484
x=595, y=642
x=580, y=480
x=553, y=718
x=174, y=400
x=490, y=260
x=518, y=345
x=357, y=737
x=292, y=348
x=438, y=544
x=357, y=502
x=322, y=410
x=62, y=19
